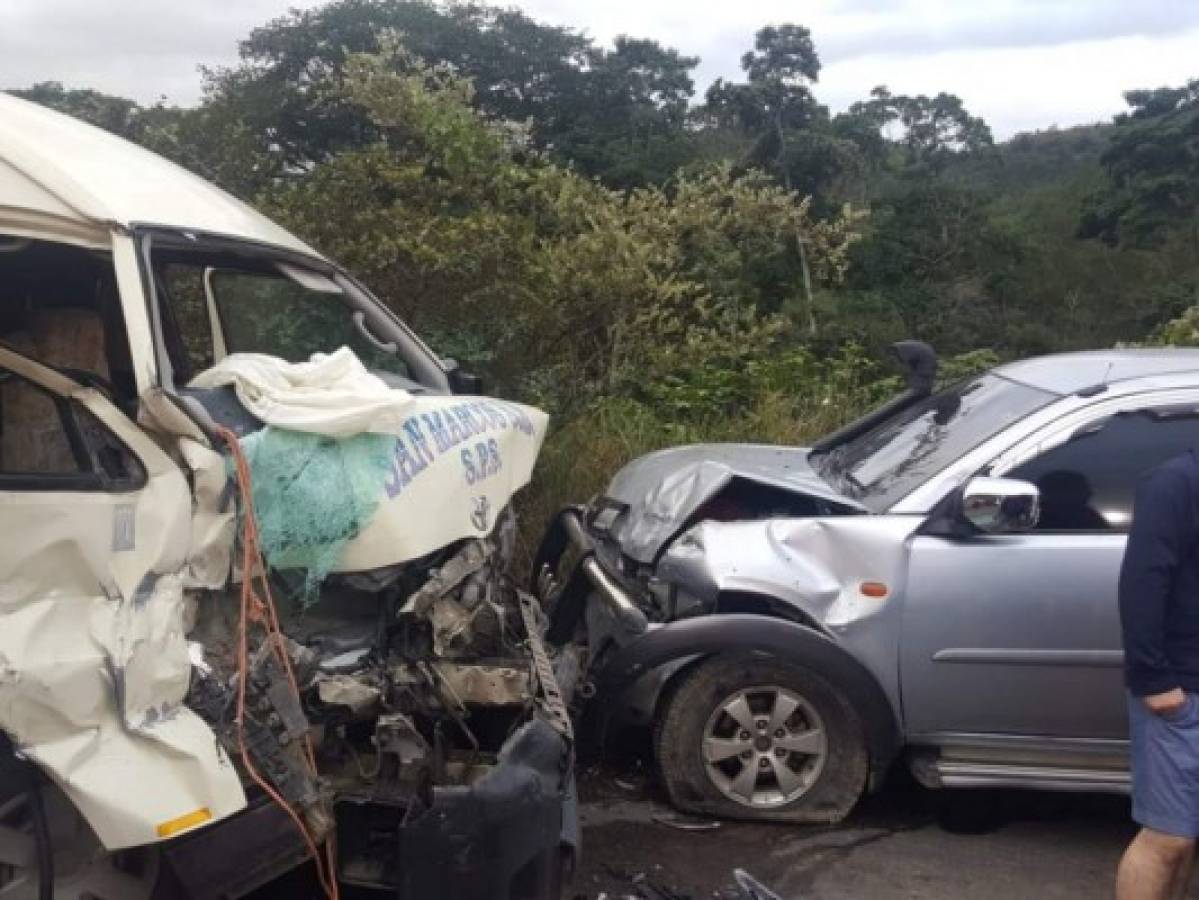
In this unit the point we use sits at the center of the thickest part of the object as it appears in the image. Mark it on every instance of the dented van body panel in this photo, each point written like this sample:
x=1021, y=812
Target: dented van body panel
x=438, y=721
x=95, y=660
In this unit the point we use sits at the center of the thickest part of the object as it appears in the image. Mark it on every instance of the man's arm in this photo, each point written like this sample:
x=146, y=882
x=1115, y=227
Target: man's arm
x=1162, y=532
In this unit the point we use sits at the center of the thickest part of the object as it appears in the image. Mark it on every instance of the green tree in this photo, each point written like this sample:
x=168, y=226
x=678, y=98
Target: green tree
x=617, y=114
x=575, y=290
x=116, y=114
x=934, y=265
x=628, y=126
x=933, y=128
x=789, y=130
x=1152, y=163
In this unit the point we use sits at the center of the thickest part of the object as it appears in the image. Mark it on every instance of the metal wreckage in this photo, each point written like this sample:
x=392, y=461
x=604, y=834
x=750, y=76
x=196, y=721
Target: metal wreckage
x=180, y=718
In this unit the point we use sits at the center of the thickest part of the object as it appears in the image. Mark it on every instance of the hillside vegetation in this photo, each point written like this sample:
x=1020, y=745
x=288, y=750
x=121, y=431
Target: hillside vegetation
x=654, y=266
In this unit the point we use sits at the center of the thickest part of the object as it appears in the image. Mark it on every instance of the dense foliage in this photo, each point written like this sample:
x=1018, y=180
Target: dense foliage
x=654, y=267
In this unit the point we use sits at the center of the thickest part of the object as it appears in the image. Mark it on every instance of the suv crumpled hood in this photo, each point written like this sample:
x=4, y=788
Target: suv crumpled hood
x=663, y=489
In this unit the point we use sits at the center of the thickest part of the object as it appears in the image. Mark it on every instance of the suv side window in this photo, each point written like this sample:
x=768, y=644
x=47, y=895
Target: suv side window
x=1088, y=483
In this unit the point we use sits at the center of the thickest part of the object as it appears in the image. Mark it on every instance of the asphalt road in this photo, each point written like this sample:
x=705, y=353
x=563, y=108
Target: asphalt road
x=895, y=845
x=904, y=842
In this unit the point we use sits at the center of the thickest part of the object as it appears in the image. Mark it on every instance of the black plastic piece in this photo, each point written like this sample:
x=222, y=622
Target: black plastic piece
x=235, y=855
x=920, y=364
x=553, y=544
x=462, y=382
x=571, y=599
x=224, y=408
x=500, y=838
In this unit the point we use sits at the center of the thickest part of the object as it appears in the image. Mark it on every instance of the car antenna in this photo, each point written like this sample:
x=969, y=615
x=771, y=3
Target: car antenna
x=1099, y=387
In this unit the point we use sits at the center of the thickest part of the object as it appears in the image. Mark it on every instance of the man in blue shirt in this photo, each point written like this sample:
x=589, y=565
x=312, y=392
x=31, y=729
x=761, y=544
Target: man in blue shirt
x=1159, y=612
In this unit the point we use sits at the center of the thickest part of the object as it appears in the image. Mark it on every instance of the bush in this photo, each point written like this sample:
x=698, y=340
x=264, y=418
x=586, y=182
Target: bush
x=572, y=292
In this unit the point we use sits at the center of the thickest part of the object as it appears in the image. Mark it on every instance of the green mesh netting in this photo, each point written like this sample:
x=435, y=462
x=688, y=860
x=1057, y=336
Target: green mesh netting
x=312, y=495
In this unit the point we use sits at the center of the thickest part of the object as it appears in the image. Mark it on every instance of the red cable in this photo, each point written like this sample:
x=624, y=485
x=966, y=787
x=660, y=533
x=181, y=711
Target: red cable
x=253, y=605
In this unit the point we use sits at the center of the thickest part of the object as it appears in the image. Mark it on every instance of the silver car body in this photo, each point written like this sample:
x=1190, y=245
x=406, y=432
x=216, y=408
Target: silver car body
x=1000, y=655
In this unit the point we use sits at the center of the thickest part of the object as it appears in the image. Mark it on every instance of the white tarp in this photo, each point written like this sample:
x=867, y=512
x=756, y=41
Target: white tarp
x=457, y=461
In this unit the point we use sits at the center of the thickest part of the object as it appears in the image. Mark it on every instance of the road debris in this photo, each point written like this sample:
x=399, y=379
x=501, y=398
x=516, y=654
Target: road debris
x=686, y=823
x=751, y=888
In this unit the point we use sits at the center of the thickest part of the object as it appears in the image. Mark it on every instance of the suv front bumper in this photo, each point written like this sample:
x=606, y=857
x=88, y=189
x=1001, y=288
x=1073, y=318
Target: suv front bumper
x=566, y=572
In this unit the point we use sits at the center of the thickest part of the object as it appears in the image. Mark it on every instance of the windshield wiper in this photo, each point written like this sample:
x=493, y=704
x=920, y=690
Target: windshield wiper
x=828, y=467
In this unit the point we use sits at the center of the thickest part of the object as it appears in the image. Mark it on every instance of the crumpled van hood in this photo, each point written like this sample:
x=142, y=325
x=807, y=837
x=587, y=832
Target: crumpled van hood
x=663, y=489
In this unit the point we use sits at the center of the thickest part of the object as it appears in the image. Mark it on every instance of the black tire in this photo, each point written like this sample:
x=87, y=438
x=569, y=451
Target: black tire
x=969, y=811
x=833, y=785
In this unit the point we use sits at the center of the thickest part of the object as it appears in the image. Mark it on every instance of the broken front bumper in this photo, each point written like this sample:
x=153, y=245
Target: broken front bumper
x=566, y=572
x=507, y=836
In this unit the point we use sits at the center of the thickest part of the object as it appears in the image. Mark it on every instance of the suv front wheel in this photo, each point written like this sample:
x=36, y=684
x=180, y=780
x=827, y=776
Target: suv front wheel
x=749, y=738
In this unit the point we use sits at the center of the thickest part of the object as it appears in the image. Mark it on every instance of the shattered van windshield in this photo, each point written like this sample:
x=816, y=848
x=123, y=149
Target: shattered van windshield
x=895, y=457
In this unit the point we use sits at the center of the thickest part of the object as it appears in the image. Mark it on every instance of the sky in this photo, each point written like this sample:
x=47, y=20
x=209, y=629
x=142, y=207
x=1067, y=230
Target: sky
x=1020, y=64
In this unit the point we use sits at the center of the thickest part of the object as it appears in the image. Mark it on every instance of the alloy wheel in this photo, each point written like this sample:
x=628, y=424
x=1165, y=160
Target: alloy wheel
x=764, y=746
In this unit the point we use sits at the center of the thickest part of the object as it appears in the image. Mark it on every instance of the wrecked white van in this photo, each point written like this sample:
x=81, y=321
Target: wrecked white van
x=175, y=723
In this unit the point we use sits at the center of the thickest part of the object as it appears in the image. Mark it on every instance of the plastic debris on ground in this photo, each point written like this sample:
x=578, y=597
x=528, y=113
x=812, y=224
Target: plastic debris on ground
x=686, y=823
x=644, y=887
x=751, y=888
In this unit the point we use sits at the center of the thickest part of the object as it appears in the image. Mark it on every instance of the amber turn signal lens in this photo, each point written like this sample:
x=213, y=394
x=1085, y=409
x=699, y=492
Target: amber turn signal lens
x=875, y=589
x=183, y=823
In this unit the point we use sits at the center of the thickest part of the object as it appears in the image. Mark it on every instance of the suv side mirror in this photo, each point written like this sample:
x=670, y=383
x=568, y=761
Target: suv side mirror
x=1000, y=505
x=462, y=382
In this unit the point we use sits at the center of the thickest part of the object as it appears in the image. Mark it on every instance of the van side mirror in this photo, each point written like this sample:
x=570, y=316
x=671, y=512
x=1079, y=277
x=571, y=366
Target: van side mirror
x=1000, y=505
x=462, y=382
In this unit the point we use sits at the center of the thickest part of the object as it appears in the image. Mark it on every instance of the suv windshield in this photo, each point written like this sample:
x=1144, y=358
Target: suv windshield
x=886, y=463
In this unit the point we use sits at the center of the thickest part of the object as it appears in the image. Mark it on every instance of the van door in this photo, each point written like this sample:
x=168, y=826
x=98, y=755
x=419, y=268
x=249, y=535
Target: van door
x=94, y=664
x=1019, y=634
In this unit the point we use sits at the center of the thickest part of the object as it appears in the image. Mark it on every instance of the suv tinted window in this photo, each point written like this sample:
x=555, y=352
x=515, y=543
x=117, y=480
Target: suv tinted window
x=1088, y=483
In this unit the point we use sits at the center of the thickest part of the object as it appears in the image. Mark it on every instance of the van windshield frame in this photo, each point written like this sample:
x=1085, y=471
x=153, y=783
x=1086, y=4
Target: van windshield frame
x=160, y=246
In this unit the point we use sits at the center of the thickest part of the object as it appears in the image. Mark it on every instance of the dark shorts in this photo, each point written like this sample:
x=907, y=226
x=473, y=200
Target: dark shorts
x=1165, y=767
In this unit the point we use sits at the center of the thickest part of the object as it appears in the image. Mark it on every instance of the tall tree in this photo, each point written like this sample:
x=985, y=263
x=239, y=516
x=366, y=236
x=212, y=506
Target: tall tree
x=628, y=124
x=604, y=110
x=933, y=128
x=119, y=115
x=775, y=104
x=1152, y=164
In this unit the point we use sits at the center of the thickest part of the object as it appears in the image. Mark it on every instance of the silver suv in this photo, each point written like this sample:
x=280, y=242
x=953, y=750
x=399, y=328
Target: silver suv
x=936, y=580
